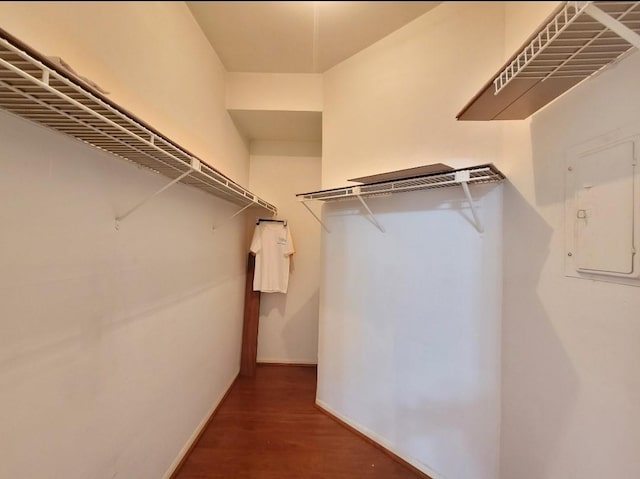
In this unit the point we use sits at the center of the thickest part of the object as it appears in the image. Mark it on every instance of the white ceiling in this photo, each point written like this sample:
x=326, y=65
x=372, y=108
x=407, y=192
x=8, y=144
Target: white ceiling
x=298, y=36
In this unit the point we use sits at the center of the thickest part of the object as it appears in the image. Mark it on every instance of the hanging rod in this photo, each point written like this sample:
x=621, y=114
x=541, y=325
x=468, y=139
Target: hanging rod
x=271, y=220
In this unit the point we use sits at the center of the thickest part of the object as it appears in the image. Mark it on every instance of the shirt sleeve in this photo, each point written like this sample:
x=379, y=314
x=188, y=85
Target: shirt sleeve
x=256, y=242
x=289, y=249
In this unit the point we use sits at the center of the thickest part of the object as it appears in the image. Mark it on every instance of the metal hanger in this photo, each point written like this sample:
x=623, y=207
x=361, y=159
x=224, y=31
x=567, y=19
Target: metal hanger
x=269, y=220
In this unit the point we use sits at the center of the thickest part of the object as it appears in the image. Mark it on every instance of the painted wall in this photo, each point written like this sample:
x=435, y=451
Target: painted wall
x=394, y=104
x=409, y=348
x=571, y=395
x=274, y=91
x=288, y=327
x=115, y=345
x=136, y=51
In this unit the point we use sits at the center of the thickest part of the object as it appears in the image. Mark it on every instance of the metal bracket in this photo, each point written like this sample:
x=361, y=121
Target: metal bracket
x=234, y=215
x=356, y=190
x=462, y=177
x=315, y=216
x=150, y=197
x=612, y=24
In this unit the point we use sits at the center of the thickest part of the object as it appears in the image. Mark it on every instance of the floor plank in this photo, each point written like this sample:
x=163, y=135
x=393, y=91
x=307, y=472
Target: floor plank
x=268, y=428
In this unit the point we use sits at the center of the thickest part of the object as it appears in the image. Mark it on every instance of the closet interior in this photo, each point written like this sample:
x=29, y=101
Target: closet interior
x=464, y=281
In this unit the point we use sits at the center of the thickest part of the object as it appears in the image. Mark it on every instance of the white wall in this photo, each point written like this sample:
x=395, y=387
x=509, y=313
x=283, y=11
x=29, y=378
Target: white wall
x=394, y=104
x=410, y=328
x=153, y=59
x=115, y=345
x=274, y=91
x=571, y=395
x=410, y=319
x=288, y=325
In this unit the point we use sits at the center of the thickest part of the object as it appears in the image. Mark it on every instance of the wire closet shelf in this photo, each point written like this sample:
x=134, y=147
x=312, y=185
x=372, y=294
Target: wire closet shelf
x=573, y=44
x=462, y=177
x=34, y=88
x=472, y=175
x=578, y=40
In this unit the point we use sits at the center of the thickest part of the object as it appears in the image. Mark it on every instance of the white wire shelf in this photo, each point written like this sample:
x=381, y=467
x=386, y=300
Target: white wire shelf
x=578, y=40
x=461, y=177
x=477, y=174
x=34, y=88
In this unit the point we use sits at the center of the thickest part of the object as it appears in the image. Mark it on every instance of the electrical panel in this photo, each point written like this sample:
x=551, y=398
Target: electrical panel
x=602, y=213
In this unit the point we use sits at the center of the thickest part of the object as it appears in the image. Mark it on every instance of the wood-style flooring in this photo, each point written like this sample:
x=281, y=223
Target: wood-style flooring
x=268, y=428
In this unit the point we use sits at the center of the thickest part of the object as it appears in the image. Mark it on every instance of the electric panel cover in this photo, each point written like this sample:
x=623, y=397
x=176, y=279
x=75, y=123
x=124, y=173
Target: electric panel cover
x=602, y=211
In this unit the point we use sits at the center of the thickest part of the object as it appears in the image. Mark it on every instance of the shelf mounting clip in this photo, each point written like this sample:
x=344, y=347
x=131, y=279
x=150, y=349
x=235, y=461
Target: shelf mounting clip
x=463, y=177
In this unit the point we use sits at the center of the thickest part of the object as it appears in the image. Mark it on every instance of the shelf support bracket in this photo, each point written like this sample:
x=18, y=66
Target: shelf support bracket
x=315, y=216
x=371, y=215
x=233, y=215
x=150, y=197
x=612, y=24
x=462, y=177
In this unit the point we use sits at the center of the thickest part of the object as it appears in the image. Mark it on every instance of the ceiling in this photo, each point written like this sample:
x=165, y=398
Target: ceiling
x=298, y=36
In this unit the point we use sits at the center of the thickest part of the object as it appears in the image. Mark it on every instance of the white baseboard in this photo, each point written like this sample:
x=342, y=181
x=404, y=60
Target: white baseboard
x=380, y=440
x=301, y=362
x=183, y=452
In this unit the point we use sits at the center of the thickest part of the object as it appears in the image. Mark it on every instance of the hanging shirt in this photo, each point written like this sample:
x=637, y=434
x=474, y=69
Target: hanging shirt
x=273, y=247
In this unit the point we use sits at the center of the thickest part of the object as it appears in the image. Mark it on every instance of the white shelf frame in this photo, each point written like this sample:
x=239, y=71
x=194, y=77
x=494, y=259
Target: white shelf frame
x=462, y=177
x=612, y=24
x=33, y=88
x=526, y=62
x=121, y=218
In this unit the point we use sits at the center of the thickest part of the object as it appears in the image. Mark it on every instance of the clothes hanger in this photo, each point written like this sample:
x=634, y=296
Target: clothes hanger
x=270, y=220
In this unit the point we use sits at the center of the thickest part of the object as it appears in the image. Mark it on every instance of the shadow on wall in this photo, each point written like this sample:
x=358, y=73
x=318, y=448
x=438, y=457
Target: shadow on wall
x=94, y=330
x=77, y=279
x=297, y=324
x=412, y=316
x=599, y=105
x=450, y=199
x=448, y=419
x=539, y=383
x=548, y=163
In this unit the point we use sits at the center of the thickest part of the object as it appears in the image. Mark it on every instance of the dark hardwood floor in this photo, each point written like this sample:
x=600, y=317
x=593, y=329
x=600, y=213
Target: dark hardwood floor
x=268, y=428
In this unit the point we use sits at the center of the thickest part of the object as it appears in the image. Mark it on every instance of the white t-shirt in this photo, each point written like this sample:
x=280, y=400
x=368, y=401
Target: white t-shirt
x=273, y=247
